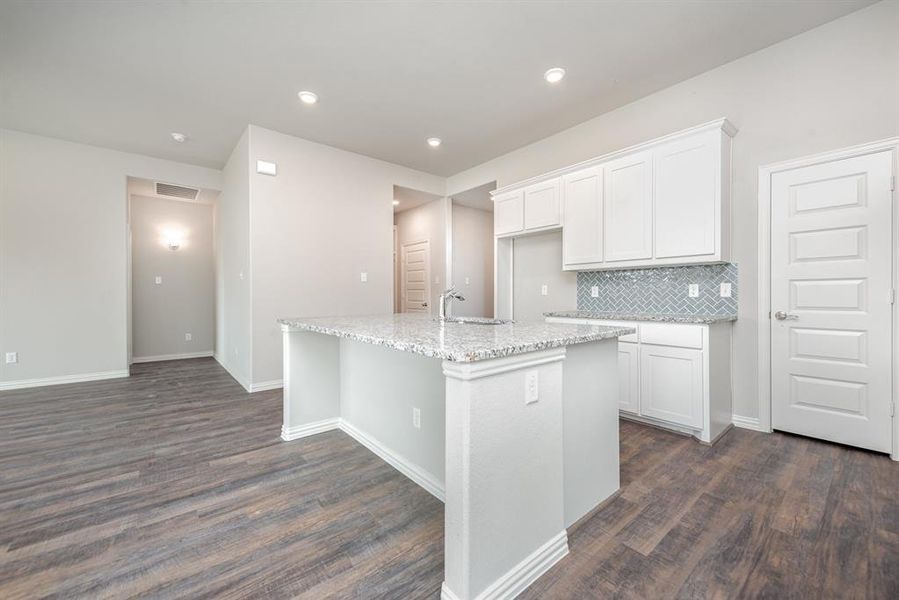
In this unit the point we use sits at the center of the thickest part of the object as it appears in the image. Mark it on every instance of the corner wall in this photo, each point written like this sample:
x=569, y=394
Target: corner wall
x=831, y=87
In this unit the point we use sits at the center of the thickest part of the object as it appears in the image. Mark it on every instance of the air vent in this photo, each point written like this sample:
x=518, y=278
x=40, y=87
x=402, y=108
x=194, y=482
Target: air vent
x=176, y=191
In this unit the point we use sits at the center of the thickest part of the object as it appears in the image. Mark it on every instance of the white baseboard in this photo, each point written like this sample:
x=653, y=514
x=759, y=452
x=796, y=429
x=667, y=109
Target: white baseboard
x=522, y=575
x=300, y=431
x=161, y=357
x=274, y=384
x=235, y=376
x=747, y=423
x=30, y=383
x=407, y=468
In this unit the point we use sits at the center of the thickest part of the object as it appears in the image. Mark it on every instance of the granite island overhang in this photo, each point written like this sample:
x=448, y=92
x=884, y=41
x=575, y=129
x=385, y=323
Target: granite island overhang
x=514, y=426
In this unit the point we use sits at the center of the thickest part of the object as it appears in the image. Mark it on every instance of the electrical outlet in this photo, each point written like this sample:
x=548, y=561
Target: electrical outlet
x=693, y=290
x=12, y=358
x=159, y=280
x=436, y=279
x=544, y=290
x=416, y=418
x=188, y=337
x=725, y=289
x=531, y=387
x=594, y=291
x=468, y=281
x=240, y=275
x=363, y=277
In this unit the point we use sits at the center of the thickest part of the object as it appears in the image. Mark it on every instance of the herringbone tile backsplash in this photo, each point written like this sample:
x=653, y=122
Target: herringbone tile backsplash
x=660, y=290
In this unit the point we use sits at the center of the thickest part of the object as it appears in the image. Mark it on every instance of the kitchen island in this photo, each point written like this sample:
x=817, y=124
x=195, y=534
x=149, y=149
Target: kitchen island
x=514, y=426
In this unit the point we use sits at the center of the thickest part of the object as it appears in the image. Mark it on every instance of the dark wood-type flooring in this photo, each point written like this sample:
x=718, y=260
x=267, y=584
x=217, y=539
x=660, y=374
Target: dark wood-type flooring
x=174, y=484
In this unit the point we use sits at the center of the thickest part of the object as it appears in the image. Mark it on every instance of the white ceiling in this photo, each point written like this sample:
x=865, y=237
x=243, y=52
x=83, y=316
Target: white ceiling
x=147, y=188
x=478, y=197
x=409, y=198
x=388, y=74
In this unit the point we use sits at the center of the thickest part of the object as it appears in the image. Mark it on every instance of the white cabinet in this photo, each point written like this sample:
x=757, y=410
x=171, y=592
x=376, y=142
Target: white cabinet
x=671, y=384
x=629, y=377
x=508, y=213
x=582, y=213
x=627, y=218
x=541, y=205
x=688, y=197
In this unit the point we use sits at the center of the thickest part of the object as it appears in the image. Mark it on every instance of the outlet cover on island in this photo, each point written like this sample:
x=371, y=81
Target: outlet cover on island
x=693, y=290
x=594, y=291
x=531, y=387
x=725, y=289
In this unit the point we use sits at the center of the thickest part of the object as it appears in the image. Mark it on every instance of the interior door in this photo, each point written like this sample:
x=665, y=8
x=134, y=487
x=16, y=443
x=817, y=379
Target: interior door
x=416, y=277
x=831, y=301
x=627, y=205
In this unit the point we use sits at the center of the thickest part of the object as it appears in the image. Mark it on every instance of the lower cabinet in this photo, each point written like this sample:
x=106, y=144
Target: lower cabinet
x=671, y=384
x=674, y=375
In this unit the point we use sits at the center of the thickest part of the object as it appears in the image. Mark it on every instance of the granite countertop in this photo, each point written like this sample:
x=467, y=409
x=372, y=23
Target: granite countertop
x=661, y=318
x=457, y=342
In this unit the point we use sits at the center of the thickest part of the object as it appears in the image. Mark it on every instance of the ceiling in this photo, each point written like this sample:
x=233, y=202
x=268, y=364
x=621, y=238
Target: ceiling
x=389, y=74
x=478, y=197
x=409, y=198
x=147, y=188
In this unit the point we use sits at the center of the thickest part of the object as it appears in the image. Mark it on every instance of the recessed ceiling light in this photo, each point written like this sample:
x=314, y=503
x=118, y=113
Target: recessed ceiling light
x=179, y=137
x=433, y=142
x=308, y=97
x=554, y=75
x=396, y=202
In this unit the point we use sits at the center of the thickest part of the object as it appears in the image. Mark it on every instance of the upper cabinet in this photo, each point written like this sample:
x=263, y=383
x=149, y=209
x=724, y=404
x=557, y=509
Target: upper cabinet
x=664, y=202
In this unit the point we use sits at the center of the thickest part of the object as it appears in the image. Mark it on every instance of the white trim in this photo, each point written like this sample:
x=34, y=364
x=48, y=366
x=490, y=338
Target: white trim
x=747, y=423
x=234, y=376
x=522, y=575
x=721, y=123
x=63, y=379
x=424, y=479
x=486, y=368
x=264, y=386
x=161, y=357
x=300, y=431
x=764, y=269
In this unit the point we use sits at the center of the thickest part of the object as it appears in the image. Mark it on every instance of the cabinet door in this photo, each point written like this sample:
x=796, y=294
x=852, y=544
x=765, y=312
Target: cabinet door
x=541, y=204
x=671, y=384
x=628, y=208
x=688, y=197
x=628, y=377
x=508, y=213
x=582, y=217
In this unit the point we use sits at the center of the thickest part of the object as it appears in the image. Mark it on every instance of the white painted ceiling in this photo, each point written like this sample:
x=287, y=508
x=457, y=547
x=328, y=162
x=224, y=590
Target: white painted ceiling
x=388, y=74
x=478, y=197
x=147, y=188
x=409, y=198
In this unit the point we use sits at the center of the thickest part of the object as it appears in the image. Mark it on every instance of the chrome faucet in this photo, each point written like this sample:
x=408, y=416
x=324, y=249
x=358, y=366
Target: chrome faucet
x=445, y=298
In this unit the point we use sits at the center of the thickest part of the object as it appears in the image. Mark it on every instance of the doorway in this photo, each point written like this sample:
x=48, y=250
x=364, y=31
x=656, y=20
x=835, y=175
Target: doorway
x=420, y=255
x=829, y=332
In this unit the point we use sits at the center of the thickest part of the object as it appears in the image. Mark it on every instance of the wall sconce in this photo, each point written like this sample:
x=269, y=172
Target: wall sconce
x=173, y=239
x=173, y=244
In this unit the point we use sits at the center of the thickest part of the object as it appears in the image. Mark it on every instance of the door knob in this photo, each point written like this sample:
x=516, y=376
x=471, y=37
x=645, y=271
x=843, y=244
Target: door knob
x=782, y=316
x=424, y=304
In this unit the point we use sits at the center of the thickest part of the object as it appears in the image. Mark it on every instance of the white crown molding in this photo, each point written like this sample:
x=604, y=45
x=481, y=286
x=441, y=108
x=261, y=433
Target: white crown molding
x=162, y=357
x=723, y=124
x=61, y=380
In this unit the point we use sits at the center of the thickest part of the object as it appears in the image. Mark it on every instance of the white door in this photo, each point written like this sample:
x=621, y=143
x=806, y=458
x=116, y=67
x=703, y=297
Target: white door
x=541, y=204
x=831, y=301
x=628, y=207
x=416, y=277
x=629, y=377
x=582, y=229
x=508, y=213
x=688, y=197
x=671, y=384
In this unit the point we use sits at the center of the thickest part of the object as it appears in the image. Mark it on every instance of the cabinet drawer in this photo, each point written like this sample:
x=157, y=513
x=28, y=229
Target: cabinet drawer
x=668, y=334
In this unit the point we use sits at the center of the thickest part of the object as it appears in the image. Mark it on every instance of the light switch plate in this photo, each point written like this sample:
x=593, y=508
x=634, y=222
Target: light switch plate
x=363, y=277
x=468, y=281
x=416, y=418
x=544, y=290
x=725, y=289
x=12, y=358
x=531, y=387
x=159, y=280
x=188, y=337
x=594, y=291
x=693, y=290
x=264, y=167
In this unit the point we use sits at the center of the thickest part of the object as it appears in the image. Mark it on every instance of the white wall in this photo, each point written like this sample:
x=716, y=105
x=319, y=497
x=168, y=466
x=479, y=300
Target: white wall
x=63, y=258
x=473, y=259
x=233, y=335
x=325, y=218
x=426, y=222
x=538, y=261
x=831, y=87
x=185, y=300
